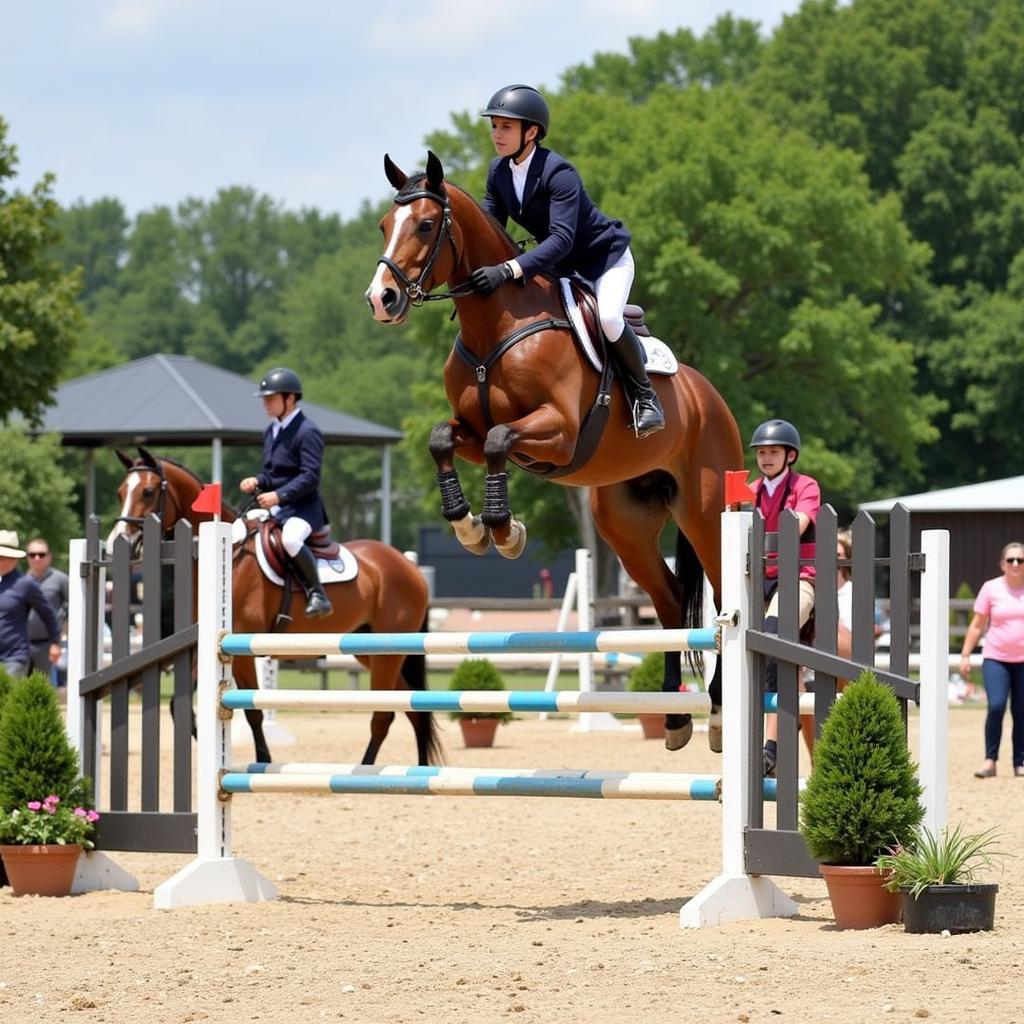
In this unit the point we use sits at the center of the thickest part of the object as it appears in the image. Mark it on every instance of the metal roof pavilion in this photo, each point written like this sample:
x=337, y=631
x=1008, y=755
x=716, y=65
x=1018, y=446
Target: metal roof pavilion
x=994, y=496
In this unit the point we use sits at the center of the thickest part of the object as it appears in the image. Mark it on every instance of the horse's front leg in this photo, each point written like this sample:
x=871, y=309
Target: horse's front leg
x=473, y=535
x=507, y=532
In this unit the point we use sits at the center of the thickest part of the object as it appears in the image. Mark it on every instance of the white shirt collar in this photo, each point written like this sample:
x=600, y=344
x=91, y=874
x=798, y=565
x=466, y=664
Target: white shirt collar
x=279, y=425
x=771, y=486
x=519, y=172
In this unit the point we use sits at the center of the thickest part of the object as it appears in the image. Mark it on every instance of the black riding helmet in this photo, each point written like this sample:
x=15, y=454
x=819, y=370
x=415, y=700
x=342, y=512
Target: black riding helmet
x=521, y=103
x=280, y=381
x=780, y=432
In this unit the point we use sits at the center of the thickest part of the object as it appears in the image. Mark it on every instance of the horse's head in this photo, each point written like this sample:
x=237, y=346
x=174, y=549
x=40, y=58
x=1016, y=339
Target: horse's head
x=416, y=229
x=151, y=485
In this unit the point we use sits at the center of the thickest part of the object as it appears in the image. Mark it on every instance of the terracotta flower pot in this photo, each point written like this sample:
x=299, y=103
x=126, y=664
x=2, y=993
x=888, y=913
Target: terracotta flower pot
x=46, y=870
x=478, y=732
x=653, y=726
x=859, y=897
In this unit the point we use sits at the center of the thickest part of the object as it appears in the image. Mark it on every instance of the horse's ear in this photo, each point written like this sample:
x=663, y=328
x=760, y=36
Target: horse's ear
x=394, y=173
x=126, y=460
x=435, y=172
x=148, y=459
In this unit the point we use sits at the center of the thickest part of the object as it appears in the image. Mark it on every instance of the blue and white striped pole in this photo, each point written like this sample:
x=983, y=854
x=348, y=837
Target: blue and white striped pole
x=591, y=641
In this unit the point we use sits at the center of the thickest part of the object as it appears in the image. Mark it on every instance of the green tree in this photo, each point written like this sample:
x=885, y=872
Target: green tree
x=39, y=317
x=93, y=236
x=38, y=494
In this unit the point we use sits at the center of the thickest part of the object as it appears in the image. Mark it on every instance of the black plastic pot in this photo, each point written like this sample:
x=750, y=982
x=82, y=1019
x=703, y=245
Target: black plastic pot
x=952, y=908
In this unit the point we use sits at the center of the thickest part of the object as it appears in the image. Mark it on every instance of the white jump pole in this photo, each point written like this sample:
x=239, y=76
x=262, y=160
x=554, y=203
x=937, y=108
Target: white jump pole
x=734, y=895
x=95, y=870
x=588, y=721
x=933, y=720
x=215, y=876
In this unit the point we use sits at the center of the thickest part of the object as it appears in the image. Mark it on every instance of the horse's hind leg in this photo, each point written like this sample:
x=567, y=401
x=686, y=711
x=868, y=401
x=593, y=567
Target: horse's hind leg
x=631, y=516
x=244, y=670
x=470, y=530
x=380, y=725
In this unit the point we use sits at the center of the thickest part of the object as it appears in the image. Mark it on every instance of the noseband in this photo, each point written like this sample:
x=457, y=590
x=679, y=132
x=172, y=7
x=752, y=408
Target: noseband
x=414, y=289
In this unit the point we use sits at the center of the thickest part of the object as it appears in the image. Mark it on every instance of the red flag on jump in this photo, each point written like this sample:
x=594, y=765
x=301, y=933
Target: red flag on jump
x=737, y=490
x=208, y=500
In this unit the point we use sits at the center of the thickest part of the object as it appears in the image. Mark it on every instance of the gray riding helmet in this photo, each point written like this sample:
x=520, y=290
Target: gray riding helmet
x=521, y=103
x=280, y=381
x=780, y=432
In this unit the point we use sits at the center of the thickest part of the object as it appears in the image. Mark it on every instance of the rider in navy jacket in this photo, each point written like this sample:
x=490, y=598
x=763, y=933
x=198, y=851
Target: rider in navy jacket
x=289, y=483
x=542, y=192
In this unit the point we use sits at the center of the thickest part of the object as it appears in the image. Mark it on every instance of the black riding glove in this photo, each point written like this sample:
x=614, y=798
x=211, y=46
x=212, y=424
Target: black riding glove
x=485, y=279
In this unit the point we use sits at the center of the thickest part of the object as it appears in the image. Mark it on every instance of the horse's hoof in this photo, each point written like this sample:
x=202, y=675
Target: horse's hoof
x=715, y=731
x=472, y=534
x=676, y=739
x=516, y=543
x=481, y=547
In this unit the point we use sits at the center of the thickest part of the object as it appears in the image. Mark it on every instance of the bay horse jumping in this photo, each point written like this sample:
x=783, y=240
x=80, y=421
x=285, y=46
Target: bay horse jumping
x=389, y=595
x=521, y=390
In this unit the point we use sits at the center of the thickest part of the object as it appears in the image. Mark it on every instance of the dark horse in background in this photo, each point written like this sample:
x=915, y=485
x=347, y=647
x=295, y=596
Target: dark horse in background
x=521, y=390
x=389, y=595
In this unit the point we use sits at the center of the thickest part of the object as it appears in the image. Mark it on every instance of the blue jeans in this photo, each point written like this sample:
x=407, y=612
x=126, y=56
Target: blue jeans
x=1004, y=681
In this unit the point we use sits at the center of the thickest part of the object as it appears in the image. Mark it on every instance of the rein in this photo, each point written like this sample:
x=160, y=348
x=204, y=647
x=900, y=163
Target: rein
x=414, y=289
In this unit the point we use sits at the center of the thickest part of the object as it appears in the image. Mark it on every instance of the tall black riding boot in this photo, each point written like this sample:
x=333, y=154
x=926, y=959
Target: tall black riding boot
x=317, y=603
x=628, y=354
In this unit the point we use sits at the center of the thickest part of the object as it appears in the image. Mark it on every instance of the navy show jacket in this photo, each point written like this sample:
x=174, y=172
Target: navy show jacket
x=574, y=235
x=291, y=466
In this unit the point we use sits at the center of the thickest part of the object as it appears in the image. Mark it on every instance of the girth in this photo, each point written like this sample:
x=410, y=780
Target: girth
x=593, y=423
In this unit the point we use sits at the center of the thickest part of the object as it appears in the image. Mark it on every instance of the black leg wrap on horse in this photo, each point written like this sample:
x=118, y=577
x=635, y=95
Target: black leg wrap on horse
x=454, y=505
x=496, y=511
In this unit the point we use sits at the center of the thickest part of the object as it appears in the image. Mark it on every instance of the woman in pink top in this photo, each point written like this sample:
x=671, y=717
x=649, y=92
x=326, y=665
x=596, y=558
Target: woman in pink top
x=999, y=614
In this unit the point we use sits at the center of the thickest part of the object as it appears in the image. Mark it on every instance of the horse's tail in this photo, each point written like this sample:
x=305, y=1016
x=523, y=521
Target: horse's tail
x=414, y=672
x=690, y=574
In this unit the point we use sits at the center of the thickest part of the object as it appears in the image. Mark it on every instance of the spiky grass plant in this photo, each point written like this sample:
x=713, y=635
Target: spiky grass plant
x=949, y=858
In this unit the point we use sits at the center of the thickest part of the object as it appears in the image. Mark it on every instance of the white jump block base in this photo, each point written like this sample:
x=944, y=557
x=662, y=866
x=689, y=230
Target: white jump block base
x=97, y=871
x=735, y=898
x=218, y=880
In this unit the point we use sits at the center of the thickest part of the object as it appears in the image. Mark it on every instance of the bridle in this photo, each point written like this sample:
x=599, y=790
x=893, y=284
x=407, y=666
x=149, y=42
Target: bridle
x=414, y=289
x=161, y=502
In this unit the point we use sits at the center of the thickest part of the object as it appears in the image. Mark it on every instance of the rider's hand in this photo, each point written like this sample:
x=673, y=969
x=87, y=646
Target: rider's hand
x=268, y=499
x=249, y=484
x=485, y=279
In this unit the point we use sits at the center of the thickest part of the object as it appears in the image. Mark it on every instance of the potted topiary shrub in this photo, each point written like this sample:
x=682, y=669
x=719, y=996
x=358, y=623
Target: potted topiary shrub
x=935, y=876
x=45, y=814
x=862, y=798
x=478, y=728
x=647, y=677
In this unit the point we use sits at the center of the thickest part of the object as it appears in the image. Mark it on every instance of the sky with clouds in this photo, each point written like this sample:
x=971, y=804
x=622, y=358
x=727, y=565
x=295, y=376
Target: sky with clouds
x=152, y=101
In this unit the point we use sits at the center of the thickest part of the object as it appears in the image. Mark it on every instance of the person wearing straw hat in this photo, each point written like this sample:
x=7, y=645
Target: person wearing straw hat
x=20, y=594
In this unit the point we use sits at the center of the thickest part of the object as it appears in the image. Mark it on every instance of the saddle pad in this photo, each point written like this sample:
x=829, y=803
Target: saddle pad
x=337, y=570
x=659, y=357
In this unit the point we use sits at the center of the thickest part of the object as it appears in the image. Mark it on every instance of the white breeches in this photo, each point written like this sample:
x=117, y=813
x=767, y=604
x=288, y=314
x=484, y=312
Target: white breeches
x=612, y=292
x=294, y=534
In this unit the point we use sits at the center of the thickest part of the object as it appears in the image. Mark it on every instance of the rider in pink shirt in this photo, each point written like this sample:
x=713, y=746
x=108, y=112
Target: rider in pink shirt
x=781, y=488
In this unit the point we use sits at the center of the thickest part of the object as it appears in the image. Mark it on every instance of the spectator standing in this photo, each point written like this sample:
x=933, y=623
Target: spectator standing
x=19, y=594
x=54, y=585
x=999, y=615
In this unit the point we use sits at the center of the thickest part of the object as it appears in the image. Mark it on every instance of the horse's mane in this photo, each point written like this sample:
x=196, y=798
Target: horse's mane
x=142, y=464
x=419, y=183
